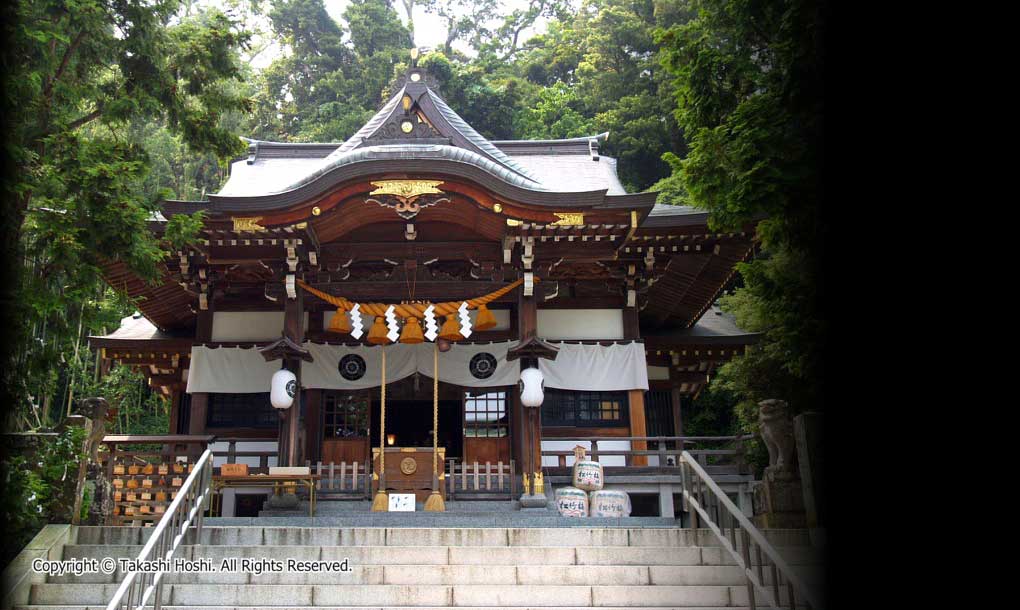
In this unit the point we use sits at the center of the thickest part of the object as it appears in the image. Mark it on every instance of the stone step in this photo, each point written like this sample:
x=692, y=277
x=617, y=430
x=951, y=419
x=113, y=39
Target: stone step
x=427, y=536
x=458, y=555
x=474, y=574
x=487, y=595
x=348, y=507
x=374, y=607
x=447, y=519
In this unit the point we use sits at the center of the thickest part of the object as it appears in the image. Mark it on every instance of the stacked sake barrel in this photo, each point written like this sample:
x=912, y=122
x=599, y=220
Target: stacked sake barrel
x=587, y=498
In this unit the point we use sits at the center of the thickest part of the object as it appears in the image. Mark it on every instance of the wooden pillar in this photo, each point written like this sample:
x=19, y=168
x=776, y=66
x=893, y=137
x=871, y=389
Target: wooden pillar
x=313, y=429
x=531, y=437
x=637, y=425
x=200, y=400
x=199, y=413
x=676, y=401
x=631, y=328
x=175, y=411
x=294, y=329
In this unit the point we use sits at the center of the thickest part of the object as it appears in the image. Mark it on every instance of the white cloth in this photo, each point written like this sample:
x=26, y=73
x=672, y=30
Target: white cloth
x=243, y=370
x=237, y=370
x=324, y=372
x=597, y=368
x=230, y=370
x=454, y=365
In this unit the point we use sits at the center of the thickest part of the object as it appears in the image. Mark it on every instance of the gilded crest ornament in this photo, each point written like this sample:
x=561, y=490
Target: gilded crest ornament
x=407, y=197
x=408, y=466
x=569, y=218
x=247, y=223
x=406, y=189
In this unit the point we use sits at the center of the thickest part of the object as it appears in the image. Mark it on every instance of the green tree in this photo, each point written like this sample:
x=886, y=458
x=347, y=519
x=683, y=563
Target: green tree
x=78, y=75
x=606, y=55
x=748, y=87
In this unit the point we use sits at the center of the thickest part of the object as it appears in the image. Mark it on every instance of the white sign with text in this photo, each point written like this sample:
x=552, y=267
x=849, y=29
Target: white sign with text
x=402, y=503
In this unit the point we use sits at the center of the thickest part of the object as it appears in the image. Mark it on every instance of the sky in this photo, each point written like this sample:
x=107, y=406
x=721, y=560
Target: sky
x=429, y=29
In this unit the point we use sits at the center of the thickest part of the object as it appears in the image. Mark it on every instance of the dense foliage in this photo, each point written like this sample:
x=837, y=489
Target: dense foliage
x=39, y=488
x=749, y=92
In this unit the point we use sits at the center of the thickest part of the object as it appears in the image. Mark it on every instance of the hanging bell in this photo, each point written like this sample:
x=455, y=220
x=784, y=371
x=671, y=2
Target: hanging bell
x=412, y=332
x=451, y=329
x=339, y=323
x=485, y=319
x=377, y=334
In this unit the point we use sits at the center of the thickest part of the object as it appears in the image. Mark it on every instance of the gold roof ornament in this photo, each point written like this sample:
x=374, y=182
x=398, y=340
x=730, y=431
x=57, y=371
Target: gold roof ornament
x=247, y=223
x=569, y=218
x=406, y=188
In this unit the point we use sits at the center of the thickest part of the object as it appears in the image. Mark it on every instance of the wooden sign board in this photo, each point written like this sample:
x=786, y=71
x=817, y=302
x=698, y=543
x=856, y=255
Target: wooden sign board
x=234, y=470
x=401, y=503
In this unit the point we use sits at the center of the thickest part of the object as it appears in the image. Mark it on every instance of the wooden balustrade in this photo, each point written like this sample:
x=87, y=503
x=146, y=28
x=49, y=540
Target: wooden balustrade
x=487, y=480
x=343, y=479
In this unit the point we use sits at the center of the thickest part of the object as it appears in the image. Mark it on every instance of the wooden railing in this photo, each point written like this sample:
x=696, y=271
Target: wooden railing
x=480, y=480
x=345, y=478
x=706, y=450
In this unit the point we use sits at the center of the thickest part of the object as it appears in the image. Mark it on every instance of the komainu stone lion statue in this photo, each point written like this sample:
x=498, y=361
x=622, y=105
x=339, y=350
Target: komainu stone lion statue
x=777, y=430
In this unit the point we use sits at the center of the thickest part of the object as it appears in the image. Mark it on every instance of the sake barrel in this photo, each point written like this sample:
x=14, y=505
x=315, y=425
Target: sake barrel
x=588, y=475
x=571, y=502
x=609, y=503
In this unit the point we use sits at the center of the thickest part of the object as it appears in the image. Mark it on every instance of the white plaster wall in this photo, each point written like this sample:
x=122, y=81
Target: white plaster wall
x=580, y=323
x=502, y=319
x=248, y=325
x=251, y=461
x=605, y=460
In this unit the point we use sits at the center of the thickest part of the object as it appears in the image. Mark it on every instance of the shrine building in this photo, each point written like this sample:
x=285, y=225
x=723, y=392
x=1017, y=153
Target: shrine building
x=418, y=244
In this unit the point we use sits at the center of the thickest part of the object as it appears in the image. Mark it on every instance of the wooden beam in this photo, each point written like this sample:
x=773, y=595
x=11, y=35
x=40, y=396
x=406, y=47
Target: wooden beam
x=638, y=425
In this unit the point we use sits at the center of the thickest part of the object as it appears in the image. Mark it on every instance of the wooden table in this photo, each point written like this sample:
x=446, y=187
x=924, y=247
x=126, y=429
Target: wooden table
x=264, y=480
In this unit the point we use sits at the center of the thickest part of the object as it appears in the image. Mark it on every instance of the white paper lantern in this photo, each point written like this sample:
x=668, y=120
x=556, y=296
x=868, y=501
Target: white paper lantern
x=532, y=381
x=284, y=387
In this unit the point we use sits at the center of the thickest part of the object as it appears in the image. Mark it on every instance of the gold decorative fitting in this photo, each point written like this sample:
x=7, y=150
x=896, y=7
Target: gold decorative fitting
x=247, y=223
x=497, y=208
x=408, y=466
x=510, y=222
x=406, y=188
x=415, y=77
x=407, y=126
x=569, y=218
x=316, y=211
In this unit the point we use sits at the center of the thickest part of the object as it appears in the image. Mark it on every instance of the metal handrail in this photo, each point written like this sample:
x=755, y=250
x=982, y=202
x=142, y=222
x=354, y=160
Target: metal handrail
x=705, y=497
x=141, y=588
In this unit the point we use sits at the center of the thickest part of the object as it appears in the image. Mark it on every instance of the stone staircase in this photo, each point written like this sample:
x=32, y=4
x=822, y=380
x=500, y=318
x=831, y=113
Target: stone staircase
x=430, y=567
x=470, y=513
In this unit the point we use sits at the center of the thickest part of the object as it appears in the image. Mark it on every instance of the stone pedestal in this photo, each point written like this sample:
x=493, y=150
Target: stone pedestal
x=779, y=500
x=282, y=501
x=534, y=501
